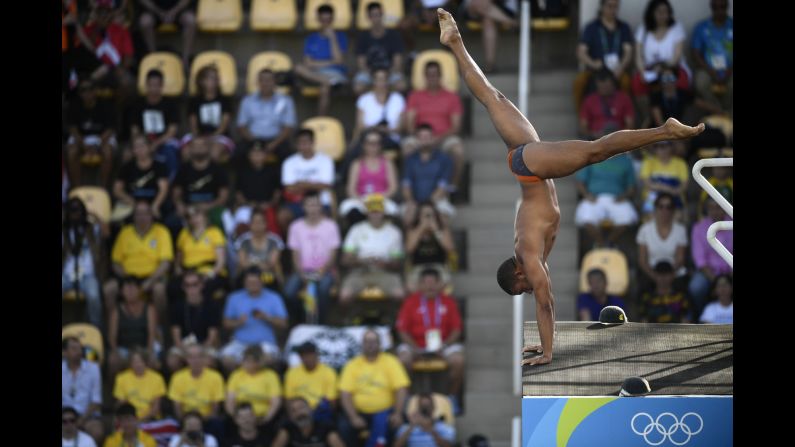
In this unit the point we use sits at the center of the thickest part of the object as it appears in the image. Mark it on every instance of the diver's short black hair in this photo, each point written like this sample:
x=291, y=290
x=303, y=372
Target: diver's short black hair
x=505, y=275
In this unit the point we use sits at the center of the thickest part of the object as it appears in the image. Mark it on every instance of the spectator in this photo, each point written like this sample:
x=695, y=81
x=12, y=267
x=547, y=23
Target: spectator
x=422, y=430
x=258, y=186
x=663, y=172
x=132, y=324
x=373, y=253
x=591, y=303
x=324, y=57
x=380, y=109
x=70, y=435
x=268, y=118
x=156, y=117
x=201, y=182
x=722, y=310
x=708, y=263
x=713, y=53
x=429, y=243
x=255, y=384
x=660, y=41
x=442, y=110
x=372, y=173
x=670, y=101
x=478, y=440
x=81, y=387
x=81, y=256
x=491, y=13
x=169, y=12
x=662, y=239
x=306, y=170
x=192, y=434
x=723, y=182
x=314, y=241
x=664, y=303
x=142, y=178
x=429, y=323
x=607, y=189
x=92, y=137
x=373, y=391
x=606, y=110
x=128, y=432
x=140, y=386
x=195, y=318
x=301, y=430
x=246, y=432
x=202, y=247
x=143, y=249
x=421, y=13
x=198, y=388
x=261, y=248
x=606, y=43
x=252, y=314
x=314, y=382
x=427, y=176
x=378, y=48
x=209, y=114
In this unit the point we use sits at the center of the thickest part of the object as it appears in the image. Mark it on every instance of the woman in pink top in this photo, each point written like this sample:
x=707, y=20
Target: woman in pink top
x=369, y=174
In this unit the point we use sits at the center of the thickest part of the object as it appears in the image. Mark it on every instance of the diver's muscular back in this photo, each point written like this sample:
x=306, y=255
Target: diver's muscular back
x=537, y=220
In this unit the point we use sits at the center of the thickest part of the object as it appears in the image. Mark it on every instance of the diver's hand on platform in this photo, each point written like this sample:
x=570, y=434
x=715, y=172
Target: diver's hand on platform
x=679, y=130
x=540, y=360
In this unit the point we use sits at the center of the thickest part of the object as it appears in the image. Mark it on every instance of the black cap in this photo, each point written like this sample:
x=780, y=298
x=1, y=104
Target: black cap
x=478, y=441
x=663, y=267
x=634, y=386
x=306, y=347
x=612, y=315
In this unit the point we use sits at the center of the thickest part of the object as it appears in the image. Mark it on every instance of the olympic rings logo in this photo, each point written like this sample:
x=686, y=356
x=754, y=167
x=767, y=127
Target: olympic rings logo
x=654, y=431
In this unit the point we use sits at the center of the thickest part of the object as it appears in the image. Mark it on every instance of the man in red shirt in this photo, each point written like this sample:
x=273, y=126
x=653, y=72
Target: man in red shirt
x=441, y=109
x=606, y=110
x=429, y=323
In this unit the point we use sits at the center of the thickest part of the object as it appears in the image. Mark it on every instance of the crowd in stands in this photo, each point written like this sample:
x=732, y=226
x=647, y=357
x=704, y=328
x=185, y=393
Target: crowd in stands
x=636, y=81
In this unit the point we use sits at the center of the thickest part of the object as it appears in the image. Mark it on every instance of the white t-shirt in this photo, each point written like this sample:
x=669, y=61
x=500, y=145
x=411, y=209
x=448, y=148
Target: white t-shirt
x=209, y=441
x=83, y=440
x=717, y=314
x=318, y=169
x=662, y=50
x=373, y=112
x=662, y=249
x=369, y=242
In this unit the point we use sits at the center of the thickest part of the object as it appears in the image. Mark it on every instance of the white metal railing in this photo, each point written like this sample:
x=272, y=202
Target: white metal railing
x=725, y=225
x=524, y=55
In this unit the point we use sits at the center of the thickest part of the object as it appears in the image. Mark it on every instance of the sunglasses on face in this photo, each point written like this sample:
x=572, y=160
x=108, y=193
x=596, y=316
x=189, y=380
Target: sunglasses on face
x=665, y=206
x=68, y=420
x=192, y=284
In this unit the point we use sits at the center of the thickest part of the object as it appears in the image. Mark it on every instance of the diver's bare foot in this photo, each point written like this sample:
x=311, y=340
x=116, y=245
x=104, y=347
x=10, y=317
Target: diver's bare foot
x=679, y=130
x=540, y=360
x=448, y=29
x=532, y=348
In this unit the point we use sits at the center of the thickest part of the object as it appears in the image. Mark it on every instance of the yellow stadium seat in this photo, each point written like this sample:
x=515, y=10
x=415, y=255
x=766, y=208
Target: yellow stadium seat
x=721, y=122
x=393, y=13
x=173, y=73
x=89, y=337
x=613, y=263
x=450, y=78
x=429, y=365
x=167, y=28
x=342, y=14
x=550, y=24
x=219, y=16
x=273, y=15
x=441, y=407
x=329, y=136
x=226, y=70
x=275, y=60
x=96, y=200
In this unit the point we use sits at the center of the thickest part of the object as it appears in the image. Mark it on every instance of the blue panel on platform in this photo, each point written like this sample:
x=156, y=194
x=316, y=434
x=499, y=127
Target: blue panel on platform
x=664, y=421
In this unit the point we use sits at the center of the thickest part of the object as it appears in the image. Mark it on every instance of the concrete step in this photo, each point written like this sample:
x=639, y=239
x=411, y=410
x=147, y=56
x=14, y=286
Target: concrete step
x=499, y=356
x=483, y=331
x=552, y=81
x=545, y=102
x=503, y=194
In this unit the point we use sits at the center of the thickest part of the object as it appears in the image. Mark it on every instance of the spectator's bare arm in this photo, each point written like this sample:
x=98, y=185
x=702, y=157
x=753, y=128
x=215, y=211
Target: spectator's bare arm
x=347, y=405
x=151, y=336
x=281, y=439
x=585, y=59
x=162, y=193
x=626, y=58
x=283, y=135
x=353, y=179
x=584, y=315
x=120, y=194
x=391, y=178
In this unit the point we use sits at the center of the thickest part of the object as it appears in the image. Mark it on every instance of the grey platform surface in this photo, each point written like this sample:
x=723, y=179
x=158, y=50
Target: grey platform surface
x=593, y=360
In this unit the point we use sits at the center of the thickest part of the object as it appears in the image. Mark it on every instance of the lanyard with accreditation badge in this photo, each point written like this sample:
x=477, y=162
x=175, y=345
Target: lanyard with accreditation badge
x=433, y=336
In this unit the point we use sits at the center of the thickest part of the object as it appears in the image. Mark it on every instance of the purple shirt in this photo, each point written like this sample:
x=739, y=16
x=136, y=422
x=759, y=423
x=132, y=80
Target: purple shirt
x=313, y=243
x=703, y=254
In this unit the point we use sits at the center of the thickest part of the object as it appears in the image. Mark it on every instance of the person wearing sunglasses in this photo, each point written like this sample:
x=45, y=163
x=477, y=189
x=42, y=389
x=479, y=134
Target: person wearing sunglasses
x=71, y=436
x=661, y=239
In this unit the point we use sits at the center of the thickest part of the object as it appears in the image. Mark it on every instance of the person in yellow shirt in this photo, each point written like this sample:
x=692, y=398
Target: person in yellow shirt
x=141, y=387
x=663, y=172
x=128, y=434
x=314, y=382
x=202, y=248
x=256, y=385
x=198, y=388
x=143, y=249
x=373, y=391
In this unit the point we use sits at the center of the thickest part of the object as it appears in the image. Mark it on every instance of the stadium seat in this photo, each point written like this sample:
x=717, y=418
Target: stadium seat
x=226, y=70
x=393, y=13
x=273, y=15
x=613, y=263
x=442, y=408
x=171, y=66
x=219, y=16
x=550, y=24
x=96, y=200
x=275, y=60
x=167, y=28
x=342, y=14
x=450, y=78
x=90, y=337
x=329, y=136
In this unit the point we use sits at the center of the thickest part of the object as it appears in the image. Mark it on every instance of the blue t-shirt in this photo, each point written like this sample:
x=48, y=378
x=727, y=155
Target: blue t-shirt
x=423, y=177
x=715, y=44
x=601, y=41
x=612, y=176
x=587, y=301
x=254, y=331
x=318, y=47
x=421, y=438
